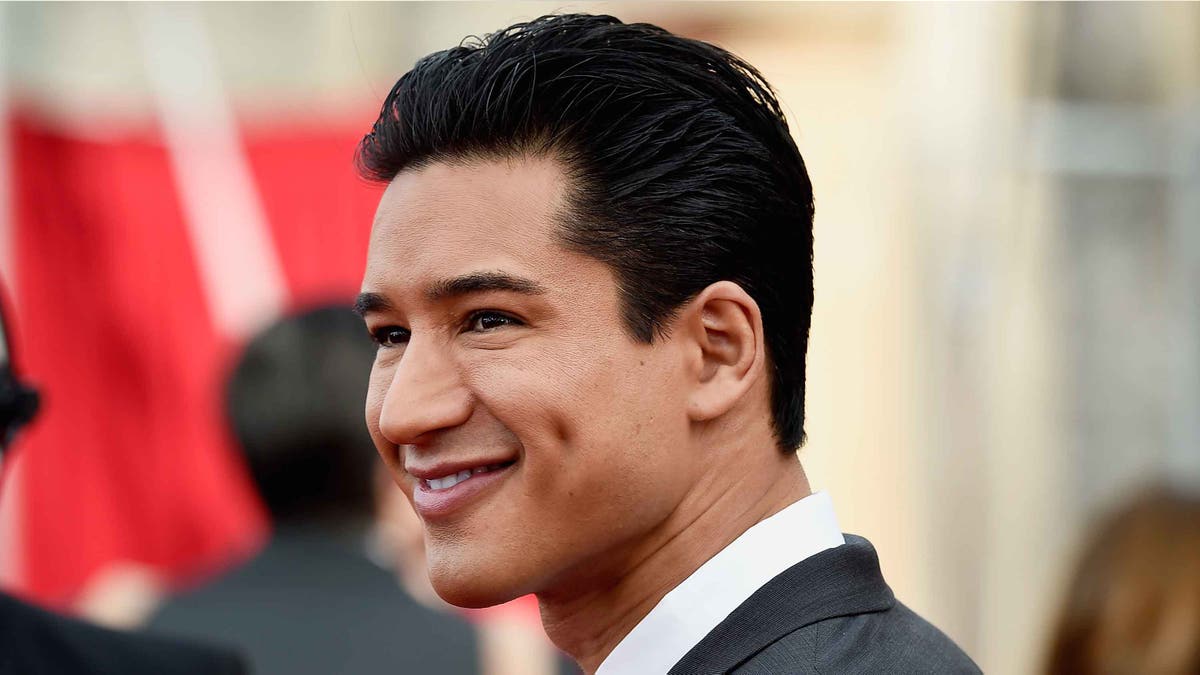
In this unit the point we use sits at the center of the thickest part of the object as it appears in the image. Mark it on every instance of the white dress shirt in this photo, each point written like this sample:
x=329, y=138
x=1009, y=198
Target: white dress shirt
x=693, y=608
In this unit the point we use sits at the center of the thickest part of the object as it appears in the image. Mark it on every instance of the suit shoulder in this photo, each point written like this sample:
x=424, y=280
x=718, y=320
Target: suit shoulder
x=896, y=640
x=34, y=640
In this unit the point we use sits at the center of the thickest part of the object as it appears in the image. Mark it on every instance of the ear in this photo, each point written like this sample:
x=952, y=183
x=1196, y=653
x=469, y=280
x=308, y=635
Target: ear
x=725, y=347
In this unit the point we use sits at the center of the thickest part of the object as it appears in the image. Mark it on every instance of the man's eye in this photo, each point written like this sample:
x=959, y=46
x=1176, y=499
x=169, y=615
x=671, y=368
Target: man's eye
x=390, y=336
x=486, y=321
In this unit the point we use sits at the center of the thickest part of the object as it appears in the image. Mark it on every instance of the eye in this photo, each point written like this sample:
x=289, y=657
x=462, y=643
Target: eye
x=390, y=336
x=488, y=320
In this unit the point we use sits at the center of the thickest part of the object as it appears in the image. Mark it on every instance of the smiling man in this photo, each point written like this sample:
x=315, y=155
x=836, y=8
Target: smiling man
x=590, y=282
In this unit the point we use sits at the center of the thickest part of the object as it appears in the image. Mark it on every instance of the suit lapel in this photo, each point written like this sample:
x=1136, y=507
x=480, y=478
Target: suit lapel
x=836, y=582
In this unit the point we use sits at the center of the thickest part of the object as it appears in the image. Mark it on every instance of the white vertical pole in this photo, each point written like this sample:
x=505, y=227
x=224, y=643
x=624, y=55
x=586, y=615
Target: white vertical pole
x=7, y=275
x=239, y=267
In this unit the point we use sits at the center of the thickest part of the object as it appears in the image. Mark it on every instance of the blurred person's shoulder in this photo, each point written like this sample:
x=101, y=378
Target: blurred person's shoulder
x=314, y=603
x=35, y=641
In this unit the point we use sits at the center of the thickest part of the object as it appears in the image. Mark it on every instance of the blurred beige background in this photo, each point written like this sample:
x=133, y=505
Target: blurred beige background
x=1006, y=337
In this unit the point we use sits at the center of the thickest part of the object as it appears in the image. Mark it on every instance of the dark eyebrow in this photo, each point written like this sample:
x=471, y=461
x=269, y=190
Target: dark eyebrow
x=368, y=303
x=478, y=282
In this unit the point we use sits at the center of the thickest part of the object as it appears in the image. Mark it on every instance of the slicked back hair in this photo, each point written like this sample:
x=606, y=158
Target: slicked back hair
x=682, y=169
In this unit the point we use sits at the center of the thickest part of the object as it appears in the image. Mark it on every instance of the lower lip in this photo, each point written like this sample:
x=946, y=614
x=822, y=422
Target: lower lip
x=432, y=504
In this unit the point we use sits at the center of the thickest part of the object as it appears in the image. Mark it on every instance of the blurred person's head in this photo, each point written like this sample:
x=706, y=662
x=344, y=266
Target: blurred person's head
x=1133, y=605
x=590, y=280
x=294, y=403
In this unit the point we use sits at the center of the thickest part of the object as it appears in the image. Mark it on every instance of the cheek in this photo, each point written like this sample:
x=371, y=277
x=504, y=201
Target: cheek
x=542, y=395
x=633, y=428
x=597, y=415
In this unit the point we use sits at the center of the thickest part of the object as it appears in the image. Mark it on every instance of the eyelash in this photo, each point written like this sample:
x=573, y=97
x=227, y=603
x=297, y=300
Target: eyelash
x=508, y=319
x=380, y=335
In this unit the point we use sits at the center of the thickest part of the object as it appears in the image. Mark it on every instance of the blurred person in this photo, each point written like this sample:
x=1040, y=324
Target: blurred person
x=36, y=641
x=312, y=601
x=1133, y=605
x=590, y=281
x=511, y=638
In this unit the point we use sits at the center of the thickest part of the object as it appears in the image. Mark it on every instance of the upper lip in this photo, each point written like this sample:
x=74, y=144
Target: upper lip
x=447, y=468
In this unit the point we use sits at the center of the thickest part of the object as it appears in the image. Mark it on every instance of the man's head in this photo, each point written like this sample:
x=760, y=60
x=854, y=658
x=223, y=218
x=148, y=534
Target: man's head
x=593, y=257
x=293, y=401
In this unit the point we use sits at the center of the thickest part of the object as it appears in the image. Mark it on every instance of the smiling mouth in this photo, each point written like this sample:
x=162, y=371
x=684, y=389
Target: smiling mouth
x=447, y=482
x=442, y=497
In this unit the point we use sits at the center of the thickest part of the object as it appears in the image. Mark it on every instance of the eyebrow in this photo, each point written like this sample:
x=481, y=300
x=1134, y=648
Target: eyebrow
x=370, y=303
x=476, y=282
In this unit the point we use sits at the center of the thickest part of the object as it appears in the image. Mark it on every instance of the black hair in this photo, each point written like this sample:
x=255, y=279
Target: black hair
x=683, y=170
x=294, y=401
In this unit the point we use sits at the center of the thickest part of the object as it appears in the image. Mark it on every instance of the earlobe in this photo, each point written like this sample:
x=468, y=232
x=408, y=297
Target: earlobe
x=725, y=325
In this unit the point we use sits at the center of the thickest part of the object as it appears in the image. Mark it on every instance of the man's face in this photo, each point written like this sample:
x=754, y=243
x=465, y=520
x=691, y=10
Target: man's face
x=503, y=357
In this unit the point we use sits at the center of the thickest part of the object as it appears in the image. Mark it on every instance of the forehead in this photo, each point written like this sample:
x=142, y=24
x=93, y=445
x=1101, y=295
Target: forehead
x=446, y=219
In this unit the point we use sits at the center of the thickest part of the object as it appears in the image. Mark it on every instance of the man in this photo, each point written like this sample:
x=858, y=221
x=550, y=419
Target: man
x=34, y=641
x=312, y=601
x=590, y=282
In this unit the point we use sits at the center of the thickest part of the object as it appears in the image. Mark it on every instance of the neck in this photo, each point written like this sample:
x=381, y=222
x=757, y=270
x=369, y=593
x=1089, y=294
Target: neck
x=589, y=625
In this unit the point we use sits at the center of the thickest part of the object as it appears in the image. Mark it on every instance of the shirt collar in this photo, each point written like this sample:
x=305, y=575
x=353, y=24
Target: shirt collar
x=693, y=608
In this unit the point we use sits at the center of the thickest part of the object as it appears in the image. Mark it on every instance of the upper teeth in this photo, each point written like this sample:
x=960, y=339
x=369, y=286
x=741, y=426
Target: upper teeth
x=455, y=478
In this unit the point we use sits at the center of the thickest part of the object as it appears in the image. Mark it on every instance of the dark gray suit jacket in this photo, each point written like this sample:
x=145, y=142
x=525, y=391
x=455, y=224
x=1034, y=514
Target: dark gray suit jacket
x=34, y=641
x=831, y=613
x=312, y=603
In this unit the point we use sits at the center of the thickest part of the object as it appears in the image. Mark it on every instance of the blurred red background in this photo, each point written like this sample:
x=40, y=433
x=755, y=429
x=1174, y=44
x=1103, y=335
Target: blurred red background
x=129, y=459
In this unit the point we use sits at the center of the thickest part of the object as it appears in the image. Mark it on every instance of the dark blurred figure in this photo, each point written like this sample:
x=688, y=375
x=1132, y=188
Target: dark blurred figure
x=1134, y=603
x=34, y=641
x=312, y=601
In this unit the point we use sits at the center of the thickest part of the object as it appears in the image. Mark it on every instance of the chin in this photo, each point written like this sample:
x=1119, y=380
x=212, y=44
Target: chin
x=470, y=592
x=472, y=586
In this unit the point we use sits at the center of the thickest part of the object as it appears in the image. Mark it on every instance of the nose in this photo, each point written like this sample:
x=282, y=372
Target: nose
x=426, y=395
